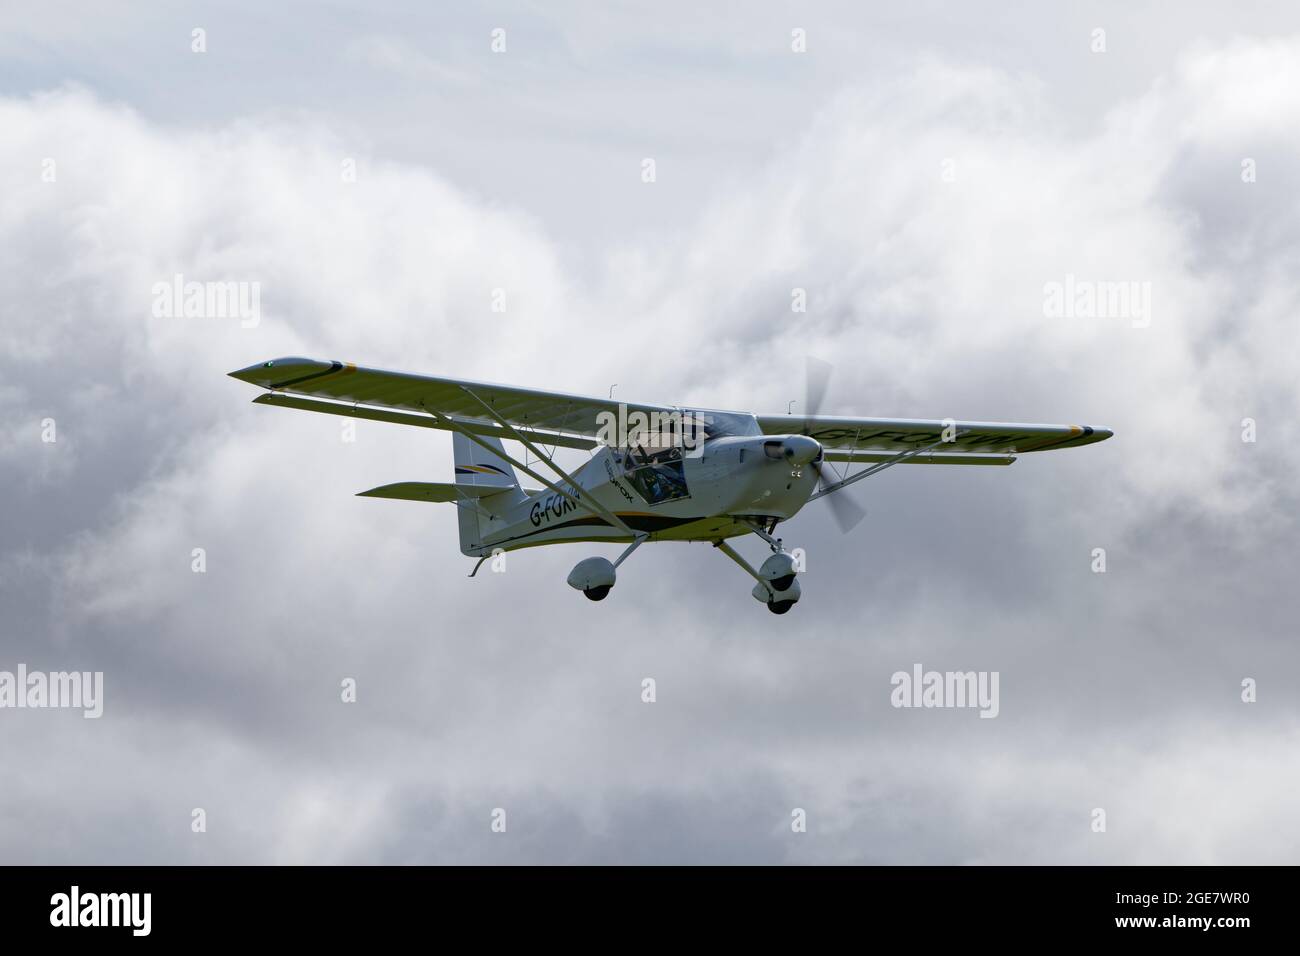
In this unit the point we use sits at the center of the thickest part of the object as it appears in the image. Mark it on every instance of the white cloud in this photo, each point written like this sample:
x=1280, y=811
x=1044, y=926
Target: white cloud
x=926, y=294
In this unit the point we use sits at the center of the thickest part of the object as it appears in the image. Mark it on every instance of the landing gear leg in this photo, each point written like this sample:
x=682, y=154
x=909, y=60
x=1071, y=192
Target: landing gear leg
x=773, y=543
x=782, y=581
x=631, y=547
x=777, y=586
x=778, y=601
x=730, y=552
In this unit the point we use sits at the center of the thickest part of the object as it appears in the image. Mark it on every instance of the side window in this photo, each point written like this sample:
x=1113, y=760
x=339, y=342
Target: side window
x=656, y=477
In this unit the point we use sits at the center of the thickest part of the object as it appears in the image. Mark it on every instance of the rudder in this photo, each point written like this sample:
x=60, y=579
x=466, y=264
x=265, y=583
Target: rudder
x=476, y=465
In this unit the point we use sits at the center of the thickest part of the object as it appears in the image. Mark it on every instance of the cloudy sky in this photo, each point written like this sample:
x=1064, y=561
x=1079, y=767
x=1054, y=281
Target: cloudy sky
x=923, y=170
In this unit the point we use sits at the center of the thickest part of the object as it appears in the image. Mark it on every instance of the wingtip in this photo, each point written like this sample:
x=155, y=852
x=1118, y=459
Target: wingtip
x=285, y=370
x=251, y=374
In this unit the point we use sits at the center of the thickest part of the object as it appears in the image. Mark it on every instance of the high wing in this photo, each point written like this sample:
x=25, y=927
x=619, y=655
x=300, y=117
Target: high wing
x=339, y=388
x=876, y=439
x=574, y=421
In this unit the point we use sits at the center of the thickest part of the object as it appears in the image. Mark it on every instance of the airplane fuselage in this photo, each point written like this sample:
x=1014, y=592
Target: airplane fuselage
x=672, y=496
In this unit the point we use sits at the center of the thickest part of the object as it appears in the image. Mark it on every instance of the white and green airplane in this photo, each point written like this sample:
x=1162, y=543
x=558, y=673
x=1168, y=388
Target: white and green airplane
x=656, y=472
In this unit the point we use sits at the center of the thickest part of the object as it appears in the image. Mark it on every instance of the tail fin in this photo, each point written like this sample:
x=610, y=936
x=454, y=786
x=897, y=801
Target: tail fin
x=477, y=466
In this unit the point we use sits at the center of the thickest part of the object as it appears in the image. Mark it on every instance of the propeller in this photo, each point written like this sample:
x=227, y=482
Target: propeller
x=817, y=381
x=848, y=514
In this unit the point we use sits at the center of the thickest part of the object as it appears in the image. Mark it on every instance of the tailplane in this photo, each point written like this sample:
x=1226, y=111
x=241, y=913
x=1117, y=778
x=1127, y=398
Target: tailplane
x=482, y=469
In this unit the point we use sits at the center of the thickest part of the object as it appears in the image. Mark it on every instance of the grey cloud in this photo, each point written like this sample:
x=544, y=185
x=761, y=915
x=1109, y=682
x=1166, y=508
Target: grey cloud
x=1119, y=690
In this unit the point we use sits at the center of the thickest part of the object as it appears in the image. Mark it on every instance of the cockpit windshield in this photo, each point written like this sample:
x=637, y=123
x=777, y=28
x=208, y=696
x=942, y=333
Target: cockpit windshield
x=725, y=424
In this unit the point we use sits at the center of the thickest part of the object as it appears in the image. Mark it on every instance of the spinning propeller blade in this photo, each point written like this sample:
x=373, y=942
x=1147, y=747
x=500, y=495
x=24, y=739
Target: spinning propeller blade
x=817, y=379
x=847, y=513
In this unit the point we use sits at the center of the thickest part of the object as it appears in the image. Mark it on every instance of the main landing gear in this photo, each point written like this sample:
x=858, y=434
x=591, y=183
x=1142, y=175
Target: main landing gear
x=594, y=577
x=777, y=585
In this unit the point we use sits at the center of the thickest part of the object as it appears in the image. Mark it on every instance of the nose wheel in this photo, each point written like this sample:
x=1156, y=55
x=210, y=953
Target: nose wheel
x=777, y=585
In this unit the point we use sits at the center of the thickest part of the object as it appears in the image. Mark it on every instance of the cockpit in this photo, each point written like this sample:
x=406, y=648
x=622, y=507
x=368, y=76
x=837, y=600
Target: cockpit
x=654, y=460
x=658, y=475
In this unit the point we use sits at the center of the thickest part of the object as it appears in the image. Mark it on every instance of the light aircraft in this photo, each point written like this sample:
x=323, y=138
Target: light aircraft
x=656, y=472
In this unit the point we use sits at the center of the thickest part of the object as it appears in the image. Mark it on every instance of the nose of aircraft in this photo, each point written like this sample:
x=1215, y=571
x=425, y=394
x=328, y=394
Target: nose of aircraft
x=800, y=449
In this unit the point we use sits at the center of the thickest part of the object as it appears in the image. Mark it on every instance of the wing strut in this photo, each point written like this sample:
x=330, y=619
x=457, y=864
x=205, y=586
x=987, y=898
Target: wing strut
x=878, y=467
x=598, y=510
x=592, y=506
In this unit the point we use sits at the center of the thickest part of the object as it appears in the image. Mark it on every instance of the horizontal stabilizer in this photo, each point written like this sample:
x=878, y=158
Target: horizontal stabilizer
x=432, y=491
